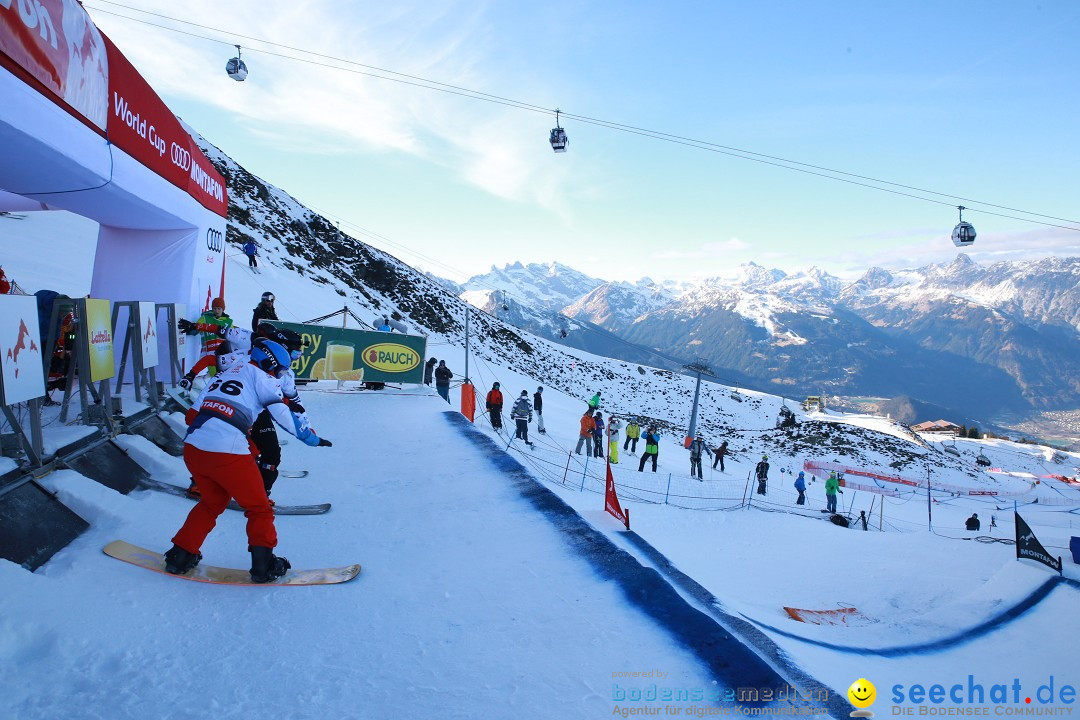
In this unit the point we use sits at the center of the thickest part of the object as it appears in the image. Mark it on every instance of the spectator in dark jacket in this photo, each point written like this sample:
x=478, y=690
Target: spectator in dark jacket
x=973, y=523
x=761, y=472
x=442, y=380
x=429, y=369
x=598, y=435
x=263, y=311
x=720, y=453
x=538, y=406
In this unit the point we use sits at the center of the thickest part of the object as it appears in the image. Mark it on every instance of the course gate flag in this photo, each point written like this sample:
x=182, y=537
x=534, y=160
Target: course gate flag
x=1029, y=547
x=611, y=501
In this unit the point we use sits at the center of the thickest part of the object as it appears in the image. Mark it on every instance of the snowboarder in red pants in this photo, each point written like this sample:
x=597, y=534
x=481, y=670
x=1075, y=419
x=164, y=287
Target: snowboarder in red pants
x=217, y=454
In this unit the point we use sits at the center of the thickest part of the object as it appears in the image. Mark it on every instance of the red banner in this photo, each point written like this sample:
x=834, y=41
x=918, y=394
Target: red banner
x=54, y=46
x=611, y=501
x=142, y=125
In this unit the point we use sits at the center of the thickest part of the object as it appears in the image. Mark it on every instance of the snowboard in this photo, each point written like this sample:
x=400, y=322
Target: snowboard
x=179, y=397
x=151, y=484
x=227, y=576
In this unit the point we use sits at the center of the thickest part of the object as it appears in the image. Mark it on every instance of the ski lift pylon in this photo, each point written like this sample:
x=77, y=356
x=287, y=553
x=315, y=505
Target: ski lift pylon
x=964, y=233
x=558, y=138
x=237, y=68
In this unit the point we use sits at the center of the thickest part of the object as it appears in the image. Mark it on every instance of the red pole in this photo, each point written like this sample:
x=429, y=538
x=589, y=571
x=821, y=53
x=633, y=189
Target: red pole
x=468, y=401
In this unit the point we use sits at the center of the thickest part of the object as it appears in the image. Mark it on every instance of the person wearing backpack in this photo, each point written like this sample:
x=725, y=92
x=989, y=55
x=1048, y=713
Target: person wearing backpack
x=442, y=380
x=697, y=448
x=761, y=472
x=633, y=432
x=521, y=413
x=652, y=449
x=800, y=485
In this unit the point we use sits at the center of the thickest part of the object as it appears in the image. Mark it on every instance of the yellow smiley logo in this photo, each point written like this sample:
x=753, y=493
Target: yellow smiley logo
x=862, y=693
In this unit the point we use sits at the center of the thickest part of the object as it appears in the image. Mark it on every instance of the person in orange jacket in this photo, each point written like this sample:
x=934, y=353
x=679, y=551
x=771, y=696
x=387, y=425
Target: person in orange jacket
x=494, y=406
x=588, y=427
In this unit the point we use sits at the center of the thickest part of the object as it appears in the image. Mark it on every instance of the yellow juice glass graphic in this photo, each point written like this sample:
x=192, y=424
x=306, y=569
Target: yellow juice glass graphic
x=339, y=361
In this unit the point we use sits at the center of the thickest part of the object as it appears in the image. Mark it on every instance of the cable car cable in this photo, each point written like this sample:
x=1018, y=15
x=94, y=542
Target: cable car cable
x=763, y=158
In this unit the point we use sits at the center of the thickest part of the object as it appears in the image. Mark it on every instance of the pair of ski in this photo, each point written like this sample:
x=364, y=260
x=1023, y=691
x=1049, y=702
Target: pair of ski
x=319, y=509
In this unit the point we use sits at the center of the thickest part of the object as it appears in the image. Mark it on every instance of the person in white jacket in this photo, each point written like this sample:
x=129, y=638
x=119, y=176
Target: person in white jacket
x=218, y=456
x=614, y=425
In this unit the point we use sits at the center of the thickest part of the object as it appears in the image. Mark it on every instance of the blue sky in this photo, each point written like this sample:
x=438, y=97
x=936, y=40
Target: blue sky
x=974, y=99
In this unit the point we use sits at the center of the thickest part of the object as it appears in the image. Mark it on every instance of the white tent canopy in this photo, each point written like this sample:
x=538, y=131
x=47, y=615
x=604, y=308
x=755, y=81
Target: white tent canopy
x=83, y=132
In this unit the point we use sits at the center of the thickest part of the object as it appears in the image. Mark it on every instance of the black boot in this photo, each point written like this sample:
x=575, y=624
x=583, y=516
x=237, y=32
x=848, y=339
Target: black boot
x=265, y=566
x=178, y=560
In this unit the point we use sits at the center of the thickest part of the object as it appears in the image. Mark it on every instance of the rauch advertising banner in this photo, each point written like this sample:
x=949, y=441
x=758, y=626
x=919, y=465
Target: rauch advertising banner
x=371, y=356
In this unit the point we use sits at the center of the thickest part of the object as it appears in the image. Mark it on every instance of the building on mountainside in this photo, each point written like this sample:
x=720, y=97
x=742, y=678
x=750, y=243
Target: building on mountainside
x=937, y=426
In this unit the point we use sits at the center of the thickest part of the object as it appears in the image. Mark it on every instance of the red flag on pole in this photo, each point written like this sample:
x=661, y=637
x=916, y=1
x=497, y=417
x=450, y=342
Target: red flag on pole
x=611, y=501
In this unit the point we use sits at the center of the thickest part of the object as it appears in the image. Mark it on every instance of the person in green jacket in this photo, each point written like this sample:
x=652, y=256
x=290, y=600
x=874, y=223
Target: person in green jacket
x=652, y=449
x=633, y=432
x=211, y=340
x=594, y=402
x=832, y=486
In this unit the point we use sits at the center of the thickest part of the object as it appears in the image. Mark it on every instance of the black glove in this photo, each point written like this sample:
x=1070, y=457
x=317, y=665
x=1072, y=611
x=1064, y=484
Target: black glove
x=296, y=407
x=323, y=442
x=186, y=326
x=185, y=383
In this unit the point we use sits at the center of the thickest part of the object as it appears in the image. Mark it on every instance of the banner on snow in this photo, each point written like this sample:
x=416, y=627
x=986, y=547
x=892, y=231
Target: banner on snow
x=1029, y=547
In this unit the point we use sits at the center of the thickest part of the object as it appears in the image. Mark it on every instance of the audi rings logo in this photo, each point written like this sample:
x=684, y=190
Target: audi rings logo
x=214, y=240
x=181, y=158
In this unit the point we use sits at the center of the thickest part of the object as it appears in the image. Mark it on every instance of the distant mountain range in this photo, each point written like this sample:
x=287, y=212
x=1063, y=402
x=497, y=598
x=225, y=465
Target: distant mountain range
x=991, y=343
x=957, y=340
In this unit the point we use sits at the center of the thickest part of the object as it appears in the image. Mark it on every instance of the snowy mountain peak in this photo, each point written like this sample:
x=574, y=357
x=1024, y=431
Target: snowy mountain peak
x=753, y=275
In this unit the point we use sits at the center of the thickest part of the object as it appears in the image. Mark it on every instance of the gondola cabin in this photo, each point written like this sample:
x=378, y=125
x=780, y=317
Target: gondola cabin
x=558, y=140
x=236, y=68
x=963, y=234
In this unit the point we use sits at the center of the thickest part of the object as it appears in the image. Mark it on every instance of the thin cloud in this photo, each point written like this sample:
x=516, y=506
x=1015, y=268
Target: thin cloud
x=705, y=251
x=297, y=106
